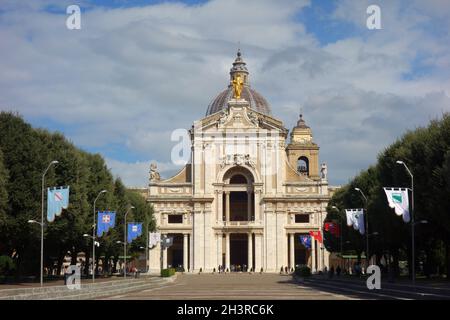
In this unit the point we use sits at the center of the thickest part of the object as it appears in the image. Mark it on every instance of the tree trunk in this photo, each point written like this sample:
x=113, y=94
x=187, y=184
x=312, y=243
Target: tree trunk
x=86, y=263
x=114, y=269
x=59, y=266
x=96, y=264
x=395, y=263
x=74, y=255
x=106, y=267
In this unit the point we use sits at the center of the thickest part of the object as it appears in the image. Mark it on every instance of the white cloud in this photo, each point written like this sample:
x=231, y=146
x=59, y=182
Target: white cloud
x=132, y=75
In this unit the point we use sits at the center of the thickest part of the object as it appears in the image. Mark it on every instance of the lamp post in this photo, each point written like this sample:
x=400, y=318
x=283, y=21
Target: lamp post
x=413, y=258
x=147, y=248
x=42, y=225
x=93, y=243
x=42, y=220
x=93, y=237
x=125, y=242
x=367, y=225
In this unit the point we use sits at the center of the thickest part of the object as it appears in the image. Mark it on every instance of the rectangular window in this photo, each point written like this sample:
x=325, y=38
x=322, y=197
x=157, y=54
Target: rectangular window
x=302, y=218
x=176, y=218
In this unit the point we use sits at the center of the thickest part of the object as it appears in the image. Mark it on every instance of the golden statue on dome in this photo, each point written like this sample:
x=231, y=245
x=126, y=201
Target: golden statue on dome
x=237, y=86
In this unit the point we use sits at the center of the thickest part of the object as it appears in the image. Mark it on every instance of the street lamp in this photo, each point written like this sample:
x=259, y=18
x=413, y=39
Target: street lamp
x=93, y=237
x=367, y=224
x=42, y=220
x=125, y=242
x=413, y=256
x=148, y=247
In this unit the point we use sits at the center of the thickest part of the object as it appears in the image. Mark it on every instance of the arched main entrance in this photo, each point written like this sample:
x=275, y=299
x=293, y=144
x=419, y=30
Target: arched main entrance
x=239, y=204
x=238, y=217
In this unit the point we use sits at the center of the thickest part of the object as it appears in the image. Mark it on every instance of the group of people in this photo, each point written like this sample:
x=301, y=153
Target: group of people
x=333, y=271
x=286, y=270
x=234, y=268
x=356, y=269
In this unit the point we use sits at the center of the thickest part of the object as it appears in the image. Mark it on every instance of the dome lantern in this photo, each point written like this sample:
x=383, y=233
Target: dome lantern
x=256, y=101
x=239, y=68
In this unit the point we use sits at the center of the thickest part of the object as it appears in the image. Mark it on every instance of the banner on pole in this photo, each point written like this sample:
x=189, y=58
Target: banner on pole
x=57, y=200
x=134, y=231
x=105, y=221
x=316, y=235
x=154, y=238
x=305, y=240
x=355, y=218
x=398, y=199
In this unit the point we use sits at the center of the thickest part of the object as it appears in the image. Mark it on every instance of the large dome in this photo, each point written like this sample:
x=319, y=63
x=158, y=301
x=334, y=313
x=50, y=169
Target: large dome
x=256, y=100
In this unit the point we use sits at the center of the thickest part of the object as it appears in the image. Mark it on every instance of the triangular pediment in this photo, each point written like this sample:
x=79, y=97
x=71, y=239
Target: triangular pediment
x=239, y=116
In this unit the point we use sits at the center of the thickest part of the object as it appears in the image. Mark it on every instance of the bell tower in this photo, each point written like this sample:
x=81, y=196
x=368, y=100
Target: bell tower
x=302, y=152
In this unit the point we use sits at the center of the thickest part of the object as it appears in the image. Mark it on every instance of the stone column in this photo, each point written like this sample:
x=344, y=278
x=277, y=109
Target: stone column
x=165, y=258
x=185, y=253
x=284, y=250
x=219, y=249
x=220, y=206
x=291, y=250
x=257, y=200
x=227, y=251
x=250, y=251
x=227, y=206
x=249, y=205
x=258, y=252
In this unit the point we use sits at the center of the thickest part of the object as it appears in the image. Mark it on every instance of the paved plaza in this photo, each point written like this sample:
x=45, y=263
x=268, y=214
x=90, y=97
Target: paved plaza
x=233, y=286
x=244, y=286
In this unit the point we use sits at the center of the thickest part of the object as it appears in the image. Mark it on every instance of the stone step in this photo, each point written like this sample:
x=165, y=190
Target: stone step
x=63, y=292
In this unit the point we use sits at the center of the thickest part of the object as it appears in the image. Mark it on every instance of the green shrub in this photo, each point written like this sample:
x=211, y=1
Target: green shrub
x=167, y=272
x=302, y=271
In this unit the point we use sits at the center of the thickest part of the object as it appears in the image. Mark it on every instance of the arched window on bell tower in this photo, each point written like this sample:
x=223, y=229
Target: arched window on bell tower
x=303, y=166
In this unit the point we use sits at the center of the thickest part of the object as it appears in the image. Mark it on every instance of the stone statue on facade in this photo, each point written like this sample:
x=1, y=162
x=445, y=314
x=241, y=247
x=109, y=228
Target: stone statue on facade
x=154, y=174
x=253, y=118
x=324, y=171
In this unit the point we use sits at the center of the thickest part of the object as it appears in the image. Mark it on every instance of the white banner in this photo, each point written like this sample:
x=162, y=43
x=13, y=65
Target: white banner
x=154, y=239
x=355, y=218
x=398, y=199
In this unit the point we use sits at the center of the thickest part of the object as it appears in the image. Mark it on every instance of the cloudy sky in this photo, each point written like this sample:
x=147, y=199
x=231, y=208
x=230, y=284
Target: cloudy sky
x=139, y=69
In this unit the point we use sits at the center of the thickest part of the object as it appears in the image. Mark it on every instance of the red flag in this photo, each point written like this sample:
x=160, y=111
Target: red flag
x=332, y=228
x=316, y=235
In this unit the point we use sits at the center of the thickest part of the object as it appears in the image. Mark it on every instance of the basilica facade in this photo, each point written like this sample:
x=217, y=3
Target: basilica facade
x=249, y=192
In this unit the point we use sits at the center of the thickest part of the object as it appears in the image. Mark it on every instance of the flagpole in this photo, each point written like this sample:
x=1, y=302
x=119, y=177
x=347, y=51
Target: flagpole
x=125, y=243
x=42, y=221
x=93, y=238
x=413, y=258
x=367, y=226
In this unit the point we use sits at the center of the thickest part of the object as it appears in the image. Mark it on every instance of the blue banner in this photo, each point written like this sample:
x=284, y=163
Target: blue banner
x=57, y=200
x=306, y=241
x=134, y=231
x=105, y=220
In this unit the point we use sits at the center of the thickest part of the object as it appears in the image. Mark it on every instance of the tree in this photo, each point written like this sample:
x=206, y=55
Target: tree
x=426, y=151
x=24, y=155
